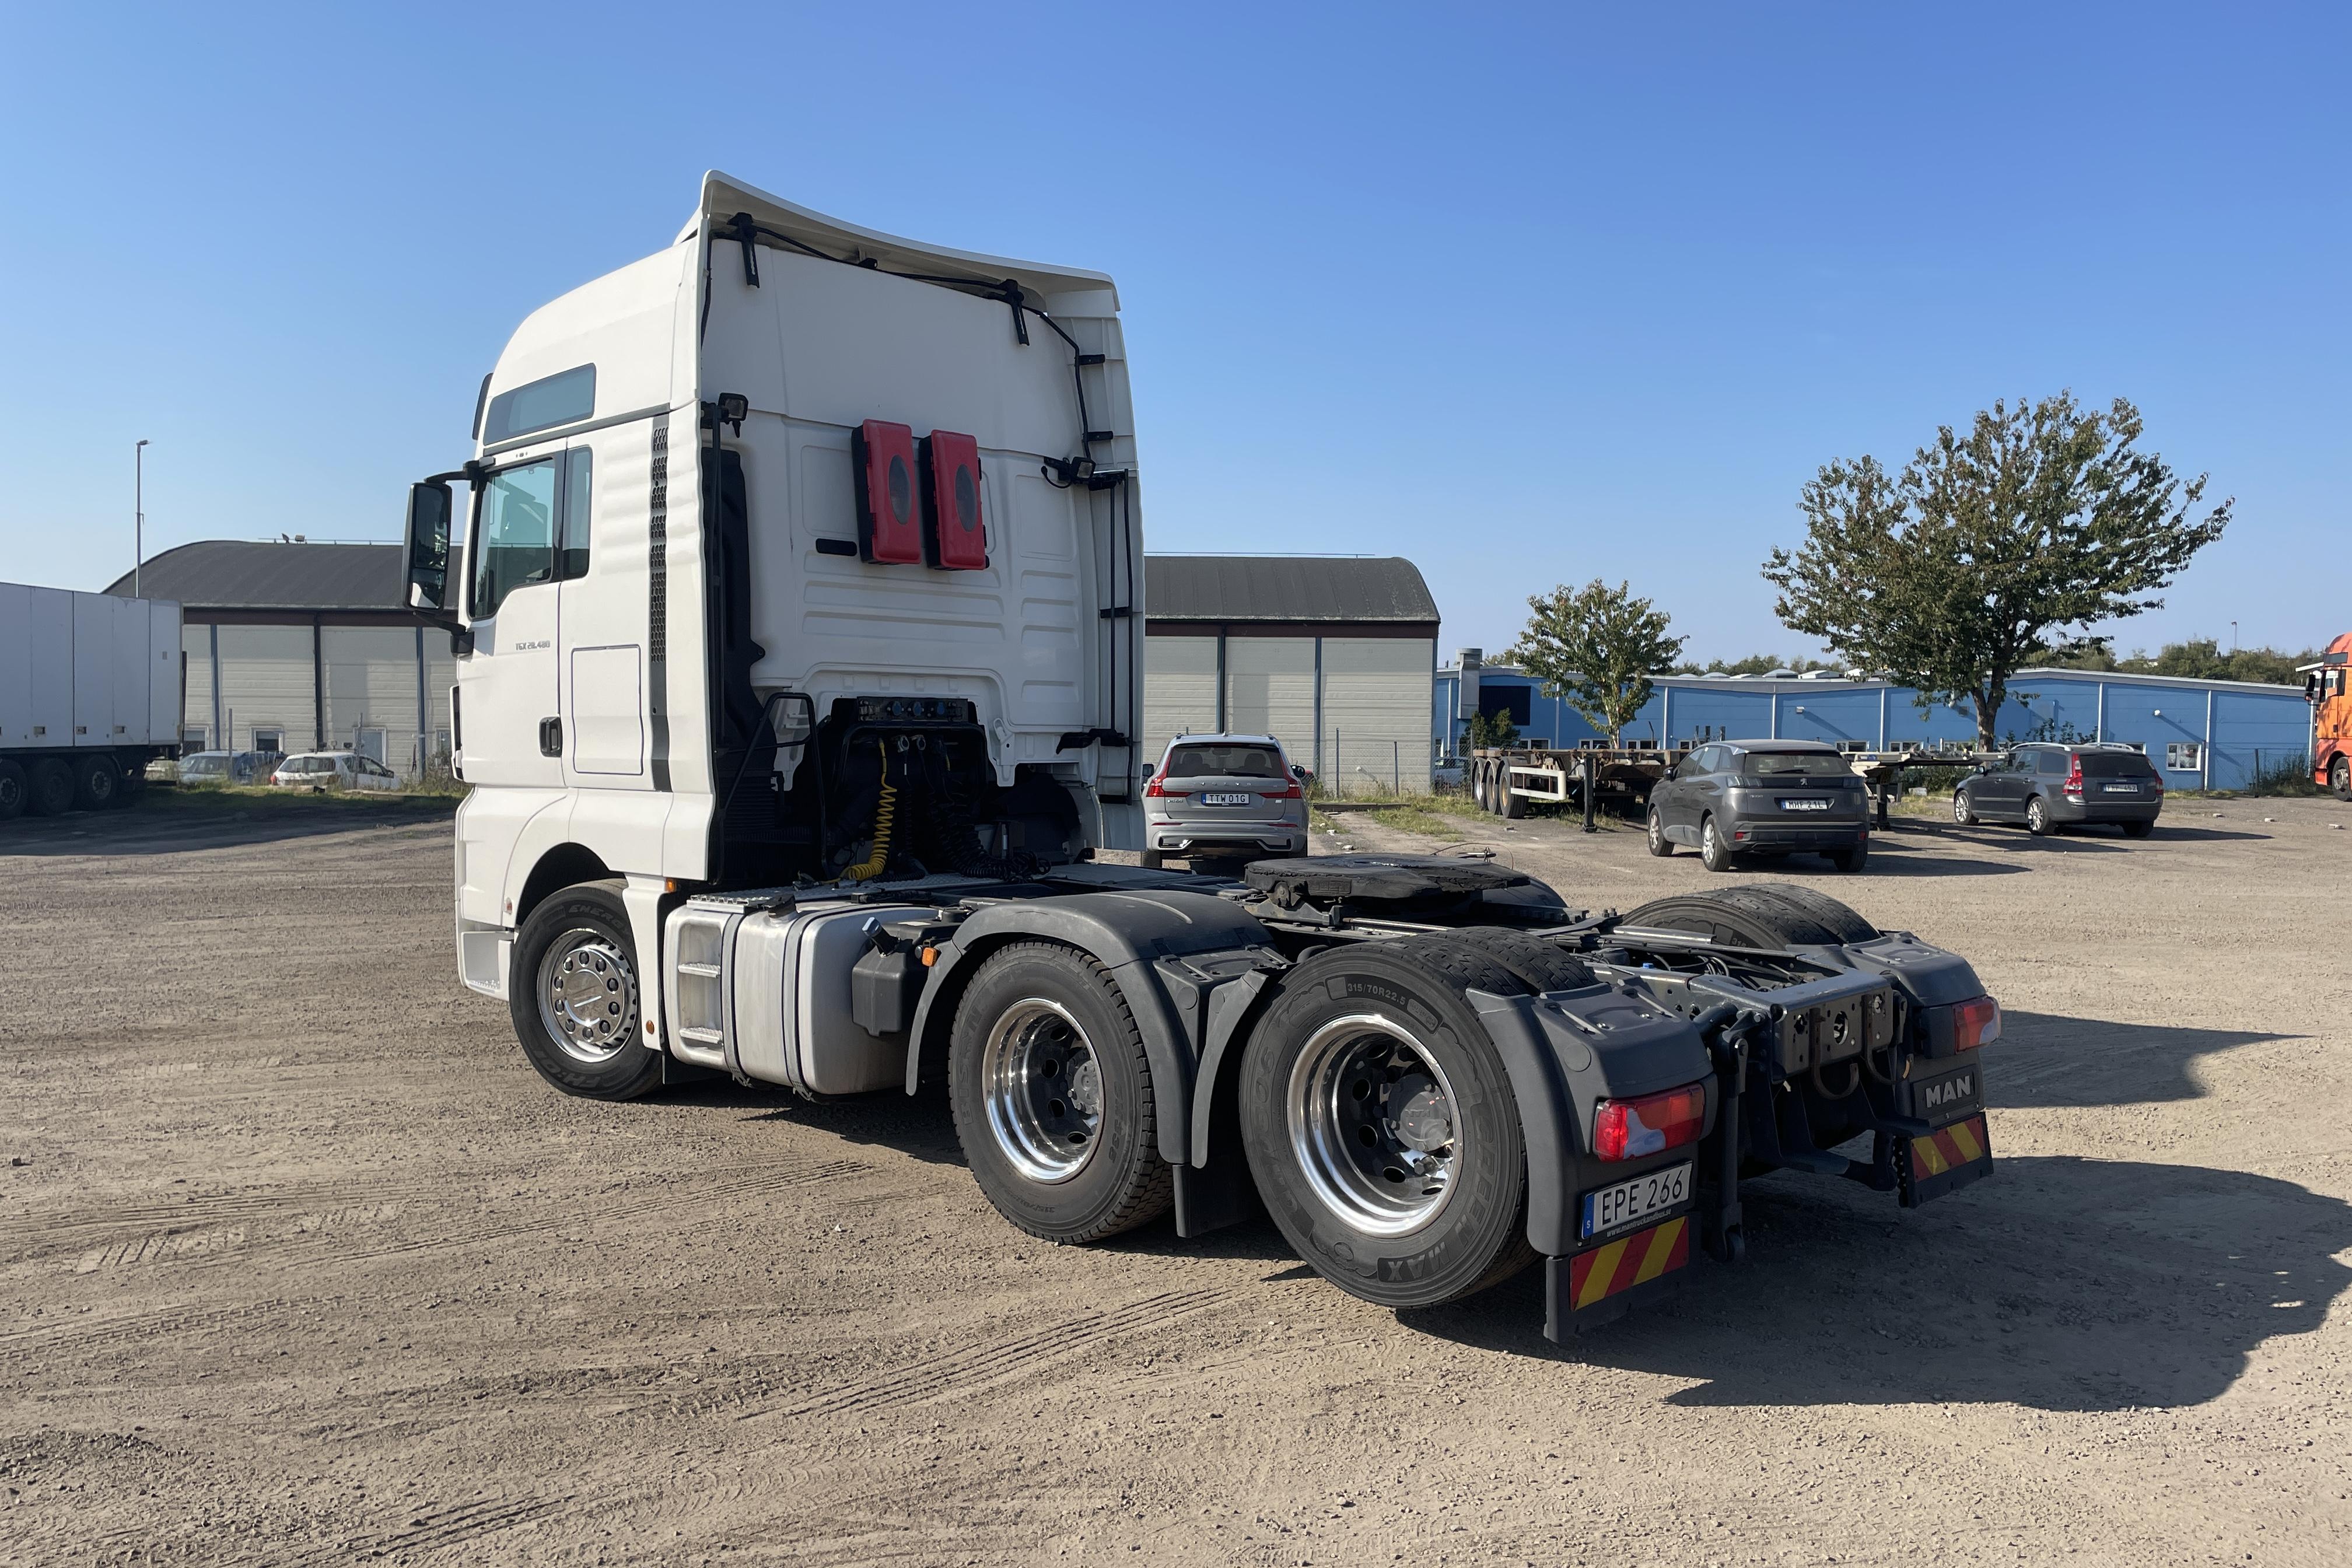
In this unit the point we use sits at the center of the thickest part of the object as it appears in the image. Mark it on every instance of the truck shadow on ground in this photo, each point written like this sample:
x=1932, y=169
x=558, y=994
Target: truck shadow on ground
x=2045, y=1061
x=2058, y=1284
x=166, y=829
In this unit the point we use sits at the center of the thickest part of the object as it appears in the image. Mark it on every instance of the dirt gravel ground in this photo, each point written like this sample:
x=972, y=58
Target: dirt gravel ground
x=300, y=1264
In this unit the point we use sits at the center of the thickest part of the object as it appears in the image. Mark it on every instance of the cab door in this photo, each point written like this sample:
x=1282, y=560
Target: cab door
x=509, y=720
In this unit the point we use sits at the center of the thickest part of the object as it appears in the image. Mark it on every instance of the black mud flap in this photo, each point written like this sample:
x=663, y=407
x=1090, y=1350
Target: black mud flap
x=1602, y=1284
x=1944, y=1162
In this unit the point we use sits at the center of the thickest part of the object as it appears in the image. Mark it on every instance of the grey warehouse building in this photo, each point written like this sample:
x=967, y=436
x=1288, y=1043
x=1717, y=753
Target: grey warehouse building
x=1333, y=656
x=300, y=646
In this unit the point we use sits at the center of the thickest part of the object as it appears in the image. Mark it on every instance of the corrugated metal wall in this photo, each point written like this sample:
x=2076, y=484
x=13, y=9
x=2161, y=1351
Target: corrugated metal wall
x=267, y=679
x=1362, y=725
x=2203, y=735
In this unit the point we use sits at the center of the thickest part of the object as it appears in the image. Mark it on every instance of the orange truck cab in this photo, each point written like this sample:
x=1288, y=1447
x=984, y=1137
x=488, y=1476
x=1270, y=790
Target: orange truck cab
x=2331, y=717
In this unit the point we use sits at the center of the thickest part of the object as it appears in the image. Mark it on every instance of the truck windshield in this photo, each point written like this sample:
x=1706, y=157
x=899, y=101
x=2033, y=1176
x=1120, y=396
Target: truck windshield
x=1224, y=763
x=1788, y=765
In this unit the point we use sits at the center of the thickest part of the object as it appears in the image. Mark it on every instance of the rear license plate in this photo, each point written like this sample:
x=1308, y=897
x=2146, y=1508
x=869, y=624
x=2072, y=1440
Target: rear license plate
x=1630, y=1203
x=2121, y=789
x=1804, y=805
x=1226, y=799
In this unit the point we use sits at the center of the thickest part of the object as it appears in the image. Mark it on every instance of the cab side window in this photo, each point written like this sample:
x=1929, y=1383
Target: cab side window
x=572, y=560
x=533, y=529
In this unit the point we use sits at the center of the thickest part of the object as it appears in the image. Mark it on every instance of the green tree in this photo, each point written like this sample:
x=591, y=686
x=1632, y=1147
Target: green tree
x=1596, y=647
x=1493, y=729
x=1994, y=548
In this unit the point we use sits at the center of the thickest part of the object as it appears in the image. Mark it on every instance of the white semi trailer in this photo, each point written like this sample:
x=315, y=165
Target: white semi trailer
x=90, y=692
x=798, y=618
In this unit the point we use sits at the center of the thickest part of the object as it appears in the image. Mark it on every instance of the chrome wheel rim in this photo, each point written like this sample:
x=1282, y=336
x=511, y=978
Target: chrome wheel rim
x=587, y=996
x=1373, y=1125
x=1657, y=830
x=1043, y=1088
x=1961, y=808
x=2036, y=817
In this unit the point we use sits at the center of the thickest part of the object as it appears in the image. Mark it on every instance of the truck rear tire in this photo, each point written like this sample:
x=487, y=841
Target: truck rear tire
x=13, y=791
x=1379, y=1123
x=1514, y=807
x=1767, y=915
x=50, y=788
x=1053, y=1098
x=98, y=781
x=576, y=996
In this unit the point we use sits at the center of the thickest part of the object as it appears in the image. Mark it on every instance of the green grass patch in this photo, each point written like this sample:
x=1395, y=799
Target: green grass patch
x=270, y=798
x=1420, y=819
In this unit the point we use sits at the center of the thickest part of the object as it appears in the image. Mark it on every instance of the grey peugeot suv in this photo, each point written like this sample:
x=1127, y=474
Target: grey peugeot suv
x=2051, y=785
x=1223, y=798
x=1734, y=799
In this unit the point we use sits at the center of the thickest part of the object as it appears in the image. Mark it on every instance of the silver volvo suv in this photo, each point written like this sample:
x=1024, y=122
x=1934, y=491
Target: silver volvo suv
x=1225, y=797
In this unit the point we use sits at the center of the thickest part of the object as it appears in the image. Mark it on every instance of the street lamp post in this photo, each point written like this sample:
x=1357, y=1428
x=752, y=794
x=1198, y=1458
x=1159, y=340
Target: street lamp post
x=138, y=513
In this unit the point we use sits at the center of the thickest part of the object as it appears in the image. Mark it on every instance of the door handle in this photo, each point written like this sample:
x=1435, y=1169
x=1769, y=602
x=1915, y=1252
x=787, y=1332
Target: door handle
x=551, y=737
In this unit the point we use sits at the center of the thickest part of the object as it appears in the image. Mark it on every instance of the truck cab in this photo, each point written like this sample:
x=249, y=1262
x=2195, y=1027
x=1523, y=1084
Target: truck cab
x=786, y=513
x=2331, y=717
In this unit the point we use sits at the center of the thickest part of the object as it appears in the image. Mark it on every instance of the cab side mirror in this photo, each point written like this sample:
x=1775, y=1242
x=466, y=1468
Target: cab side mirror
x=428, y=551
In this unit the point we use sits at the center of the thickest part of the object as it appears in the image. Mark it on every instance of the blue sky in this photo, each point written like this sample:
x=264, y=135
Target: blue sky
x=1527, y=296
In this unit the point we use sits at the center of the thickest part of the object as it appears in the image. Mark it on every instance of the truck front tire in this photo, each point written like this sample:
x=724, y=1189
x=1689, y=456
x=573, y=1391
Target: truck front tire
x=2339, y=777
x=1379, y=1123
x=577, y=996
x=1052, y=1099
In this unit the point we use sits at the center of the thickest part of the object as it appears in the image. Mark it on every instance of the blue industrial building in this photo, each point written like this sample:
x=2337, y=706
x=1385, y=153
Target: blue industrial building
x=2203, y=735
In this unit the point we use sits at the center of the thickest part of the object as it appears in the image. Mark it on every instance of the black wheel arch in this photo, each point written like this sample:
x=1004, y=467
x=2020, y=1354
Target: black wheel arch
x=564, y=866
x=1131, y=935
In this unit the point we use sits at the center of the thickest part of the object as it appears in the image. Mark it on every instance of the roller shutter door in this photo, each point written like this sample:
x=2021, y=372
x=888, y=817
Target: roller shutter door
x=1270, y=690
x=1377, y=697
x=267, y=682
x=1180, y=690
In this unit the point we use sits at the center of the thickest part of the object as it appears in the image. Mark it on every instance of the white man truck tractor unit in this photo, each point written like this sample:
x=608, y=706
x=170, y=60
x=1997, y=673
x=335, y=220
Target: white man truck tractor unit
x=800, y=642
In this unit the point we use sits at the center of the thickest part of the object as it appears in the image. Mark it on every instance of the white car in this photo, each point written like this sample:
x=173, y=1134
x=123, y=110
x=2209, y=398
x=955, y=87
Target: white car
x=334, y=770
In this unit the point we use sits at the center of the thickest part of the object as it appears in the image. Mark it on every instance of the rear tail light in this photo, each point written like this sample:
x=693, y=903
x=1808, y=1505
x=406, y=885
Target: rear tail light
x=1975, y=1024
x=1628, y=1128
x=1151, y=790
x=889, y=512
x=954, y=533
x=2074, y=776
x=1287, y=791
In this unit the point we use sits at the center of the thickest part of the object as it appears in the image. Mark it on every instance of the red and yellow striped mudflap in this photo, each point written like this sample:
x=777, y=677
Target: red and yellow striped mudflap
x=1594, y=1277
x=1950, y=1157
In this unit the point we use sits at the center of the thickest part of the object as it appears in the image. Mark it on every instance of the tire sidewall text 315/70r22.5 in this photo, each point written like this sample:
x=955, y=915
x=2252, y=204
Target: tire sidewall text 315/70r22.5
x=1344, y=1022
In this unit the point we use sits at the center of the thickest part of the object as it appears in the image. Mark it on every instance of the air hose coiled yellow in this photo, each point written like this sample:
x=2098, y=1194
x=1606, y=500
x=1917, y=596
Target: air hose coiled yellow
x=884, y=807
